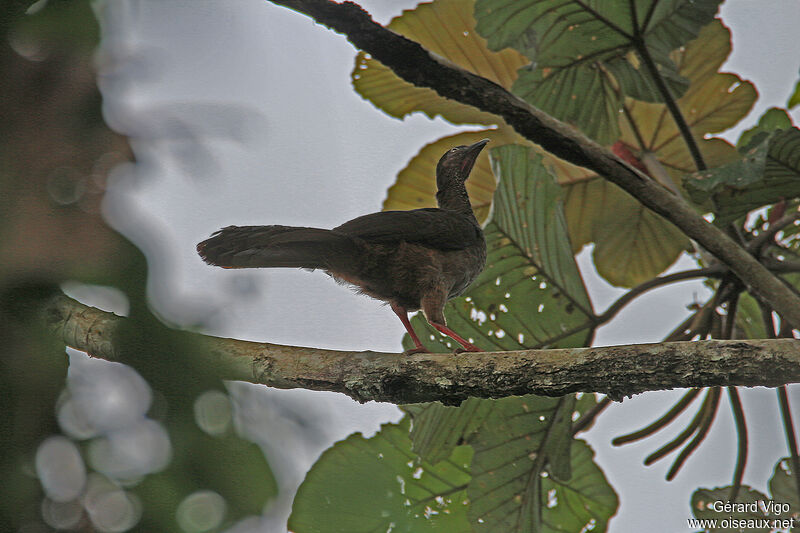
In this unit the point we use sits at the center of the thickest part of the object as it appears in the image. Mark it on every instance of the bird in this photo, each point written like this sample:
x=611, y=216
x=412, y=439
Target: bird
x=412, y=260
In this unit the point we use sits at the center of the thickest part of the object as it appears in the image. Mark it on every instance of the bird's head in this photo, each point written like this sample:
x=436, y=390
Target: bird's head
x=456, y=163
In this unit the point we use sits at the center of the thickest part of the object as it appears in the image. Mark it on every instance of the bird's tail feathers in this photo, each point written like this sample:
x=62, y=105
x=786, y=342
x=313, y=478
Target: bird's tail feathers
x=276, y=246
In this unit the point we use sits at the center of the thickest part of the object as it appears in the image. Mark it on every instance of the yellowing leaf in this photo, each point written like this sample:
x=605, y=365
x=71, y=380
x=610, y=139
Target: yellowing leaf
x=447, y=28
x=714, y=102
x=631, y=243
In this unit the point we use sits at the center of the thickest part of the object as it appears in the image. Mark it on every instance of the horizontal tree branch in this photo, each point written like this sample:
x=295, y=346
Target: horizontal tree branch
x=411, y=62
x=617, y=371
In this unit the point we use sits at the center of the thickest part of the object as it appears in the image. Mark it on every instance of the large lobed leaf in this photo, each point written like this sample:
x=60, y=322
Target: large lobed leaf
x=513, y=489
x=631, y=243
x=531, y=292
x=583, y=54
x=445, y=27
x=377, y=484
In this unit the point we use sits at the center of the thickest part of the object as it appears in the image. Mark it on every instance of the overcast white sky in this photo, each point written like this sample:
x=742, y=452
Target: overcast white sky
x=242, y=113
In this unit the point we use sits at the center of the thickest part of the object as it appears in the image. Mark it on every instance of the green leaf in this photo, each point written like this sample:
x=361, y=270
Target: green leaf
x=783, y=485
x=438, y=429
x=768, y=172
x=531, y=292
x=586, y=52
x=564, y=94
x=632, y=246
x=747, y=511
x=773, y=119
x=794, y=99
x=512, y=491
x=558, y=445
x=377, y=484
x=749, y=320
x=584, y=503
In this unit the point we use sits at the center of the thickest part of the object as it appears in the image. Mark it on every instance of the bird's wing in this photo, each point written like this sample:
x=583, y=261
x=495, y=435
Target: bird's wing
x=430, y=227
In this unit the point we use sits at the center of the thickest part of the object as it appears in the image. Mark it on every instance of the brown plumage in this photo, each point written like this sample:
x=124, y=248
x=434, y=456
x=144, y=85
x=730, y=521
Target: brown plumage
x=413, y=260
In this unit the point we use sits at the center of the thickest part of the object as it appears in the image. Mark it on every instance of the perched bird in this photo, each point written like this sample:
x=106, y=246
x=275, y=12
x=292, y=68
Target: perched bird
x=413, y=260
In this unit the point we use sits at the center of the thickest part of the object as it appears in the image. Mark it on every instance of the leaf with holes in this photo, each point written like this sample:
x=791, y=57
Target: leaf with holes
x=531, y=292
x=586, y=57
x=438, y=429
x=446, y=28
x=512, y=490
x=377, y=484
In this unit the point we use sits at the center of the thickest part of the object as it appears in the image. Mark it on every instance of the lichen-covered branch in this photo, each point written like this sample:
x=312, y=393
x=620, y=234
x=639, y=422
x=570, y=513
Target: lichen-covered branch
x=414, y=64
x=618, y=371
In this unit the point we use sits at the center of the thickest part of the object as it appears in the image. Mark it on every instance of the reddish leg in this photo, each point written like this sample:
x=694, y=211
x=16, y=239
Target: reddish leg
x=433, y=307
x=402, y=314
x=468, y=346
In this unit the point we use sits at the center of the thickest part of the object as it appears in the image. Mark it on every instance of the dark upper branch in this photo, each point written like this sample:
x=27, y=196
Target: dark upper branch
x=416, y=65
x=387, y=377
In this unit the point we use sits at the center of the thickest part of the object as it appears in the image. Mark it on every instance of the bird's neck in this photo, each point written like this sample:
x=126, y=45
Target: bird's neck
x=454, y=198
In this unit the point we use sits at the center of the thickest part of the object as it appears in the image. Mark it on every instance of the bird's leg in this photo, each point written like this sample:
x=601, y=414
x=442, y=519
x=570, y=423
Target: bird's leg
x=468, y=346
x=402, y=314
x=433, y=307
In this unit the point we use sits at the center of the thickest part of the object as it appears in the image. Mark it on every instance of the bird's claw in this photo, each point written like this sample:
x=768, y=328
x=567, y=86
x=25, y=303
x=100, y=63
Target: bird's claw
x=470, y=348
x=418, y=349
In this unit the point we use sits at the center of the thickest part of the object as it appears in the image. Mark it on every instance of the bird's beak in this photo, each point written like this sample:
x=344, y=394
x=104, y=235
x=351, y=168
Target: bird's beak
x=471, y=154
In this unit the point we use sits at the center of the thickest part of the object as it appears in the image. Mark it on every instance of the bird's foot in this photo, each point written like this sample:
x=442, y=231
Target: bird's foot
x=467, y=348
x=418, y=349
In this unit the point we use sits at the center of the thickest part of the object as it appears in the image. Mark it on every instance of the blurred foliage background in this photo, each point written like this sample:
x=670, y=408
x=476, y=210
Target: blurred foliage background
x=152, y=449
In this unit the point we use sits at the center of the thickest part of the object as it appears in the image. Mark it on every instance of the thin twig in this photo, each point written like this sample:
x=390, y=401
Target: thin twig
x=709, y=412
x=683, y=331
x=671, y=103
x=679, y=407
x=683, y=436
x=625, y=299
x=764, y=238
x=584, y=422
x=730, y=318
x=622, y=301
x=741, y=439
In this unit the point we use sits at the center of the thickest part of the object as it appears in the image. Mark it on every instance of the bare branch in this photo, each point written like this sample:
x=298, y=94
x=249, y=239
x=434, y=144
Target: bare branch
x=416, y=65
x=617, y=371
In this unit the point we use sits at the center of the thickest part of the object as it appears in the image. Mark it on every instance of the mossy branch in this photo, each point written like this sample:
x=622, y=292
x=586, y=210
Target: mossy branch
x=617, y=371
